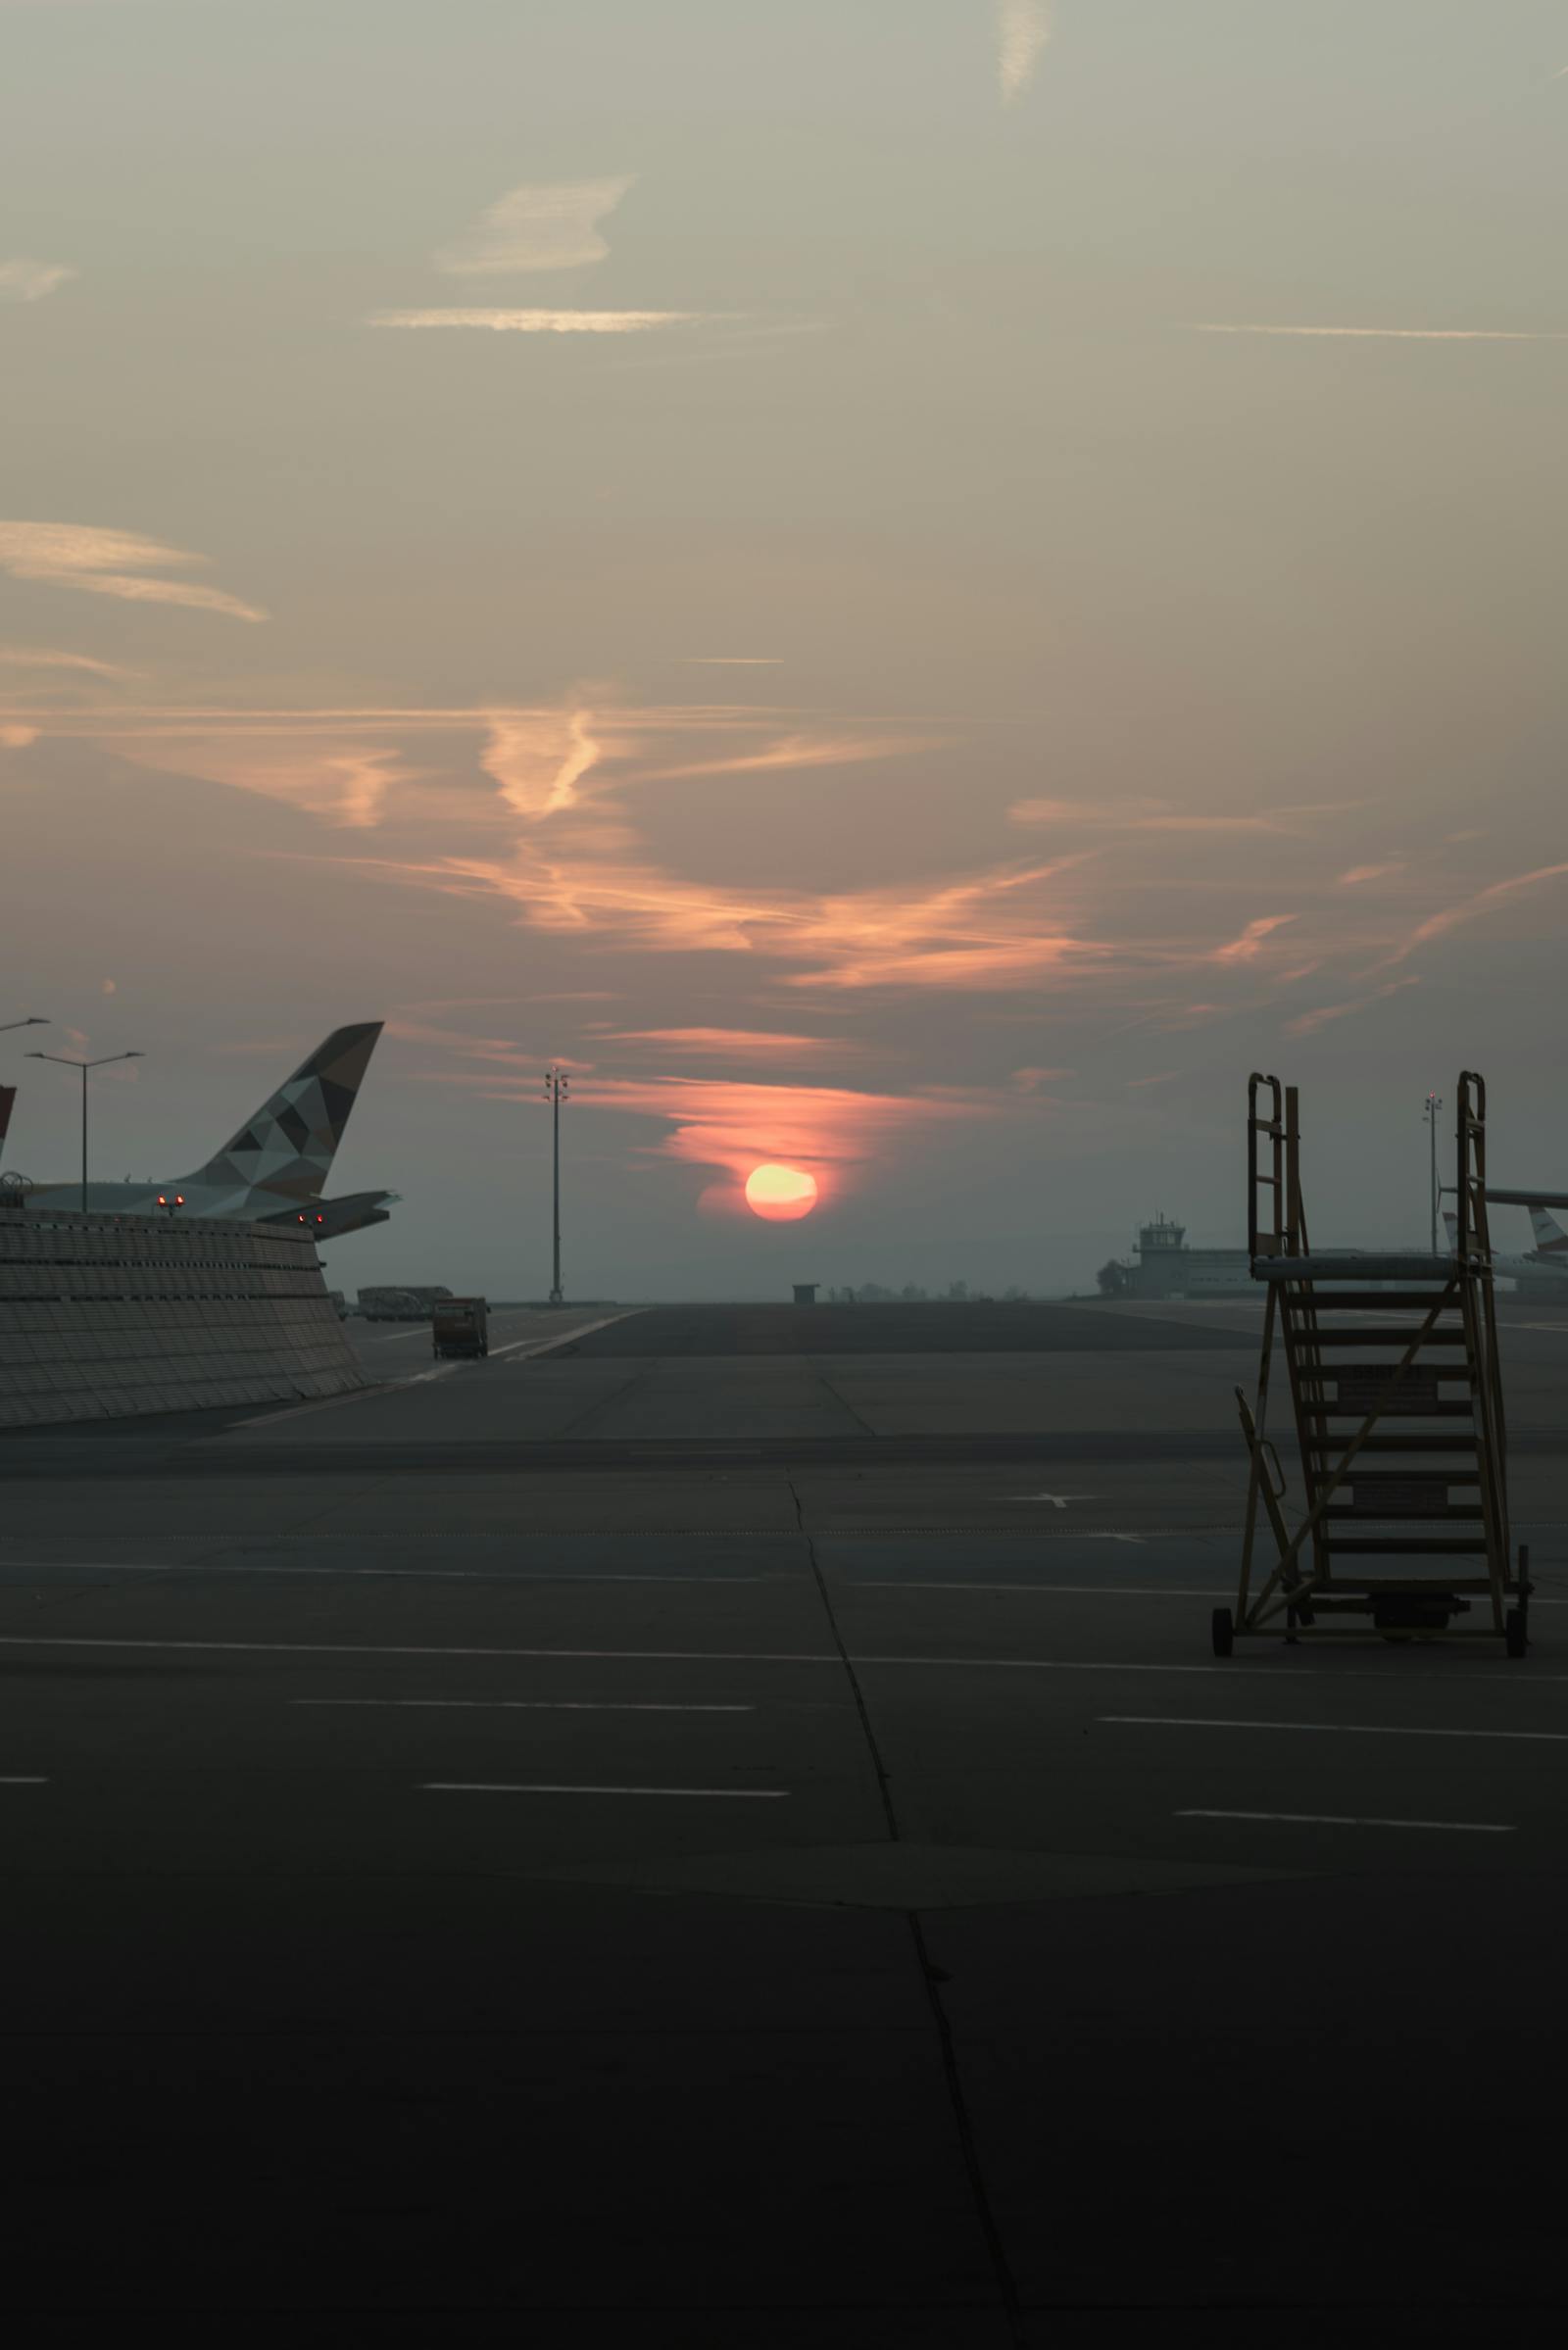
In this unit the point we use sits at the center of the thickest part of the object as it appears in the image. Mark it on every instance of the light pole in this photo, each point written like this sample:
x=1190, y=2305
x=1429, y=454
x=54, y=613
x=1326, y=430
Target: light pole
x=1433, y=1105
x=556, y=1091
x=85, y=1066
x=33, y=1020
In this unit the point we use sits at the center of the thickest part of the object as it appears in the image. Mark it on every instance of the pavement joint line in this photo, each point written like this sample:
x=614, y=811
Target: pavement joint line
x=192, y=1566
x=1326, y=1819
x=716, y=1656
x=1378, y=1730
x=482, y=1786
x=541, y=1706
x=1066, y=1590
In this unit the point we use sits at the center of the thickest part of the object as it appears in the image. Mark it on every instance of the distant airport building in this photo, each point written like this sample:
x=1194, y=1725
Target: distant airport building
x=1164, y=1266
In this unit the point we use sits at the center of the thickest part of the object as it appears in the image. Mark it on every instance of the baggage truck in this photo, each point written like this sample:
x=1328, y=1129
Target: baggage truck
x=458, y=1326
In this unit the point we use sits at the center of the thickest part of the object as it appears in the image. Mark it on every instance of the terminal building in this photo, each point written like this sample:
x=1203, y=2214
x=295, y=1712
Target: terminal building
x=1164, y=1266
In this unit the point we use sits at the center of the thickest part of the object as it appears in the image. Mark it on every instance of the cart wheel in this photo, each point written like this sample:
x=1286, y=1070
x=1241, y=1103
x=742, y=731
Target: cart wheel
x=1516, y=1632
x=1222, y=1631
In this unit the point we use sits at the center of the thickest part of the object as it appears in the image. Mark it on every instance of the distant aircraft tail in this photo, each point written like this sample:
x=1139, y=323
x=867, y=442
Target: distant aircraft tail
x=1550, y=1238
x=287, y=1148
x=1450, y=1224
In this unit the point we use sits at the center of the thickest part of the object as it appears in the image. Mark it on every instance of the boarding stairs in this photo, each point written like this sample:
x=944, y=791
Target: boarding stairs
x=1390, y=1363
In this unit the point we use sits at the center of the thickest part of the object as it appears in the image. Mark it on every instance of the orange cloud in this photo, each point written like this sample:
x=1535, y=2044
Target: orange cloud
x=1250, y=945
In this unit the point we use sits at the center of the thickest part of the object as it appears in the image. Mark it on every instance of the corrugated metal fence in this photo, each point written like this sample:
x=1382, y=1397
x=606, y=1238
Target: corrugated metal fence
x=103, y=1316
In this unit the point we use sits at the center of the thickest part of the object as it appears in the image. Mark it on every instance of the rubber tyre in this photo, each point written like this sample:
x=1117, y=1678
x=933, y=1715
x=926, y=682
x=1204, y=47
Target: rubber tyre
x=1516, y=1632
x=1222, y=1631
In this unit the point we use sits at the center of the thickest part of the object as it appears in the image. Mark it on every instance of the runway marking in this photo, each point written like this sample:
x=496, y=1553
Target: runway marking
x=567, y=1575
x=15, y=1778
x=1057, y=1500
x=732, y=1794
x=1370, y=1730
x=541, y=1706
x=1327, y=1819
x=719, y=1657
x=388, y=1387
x=565, y=1336
x=1069, y=1590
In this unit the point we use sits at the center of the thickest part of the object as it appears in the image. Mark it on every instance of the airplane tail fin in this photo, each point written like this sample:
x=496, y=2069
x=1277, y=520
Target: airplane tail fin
x=1550, y=1238
x=287, y=1148
x=1451, y=1223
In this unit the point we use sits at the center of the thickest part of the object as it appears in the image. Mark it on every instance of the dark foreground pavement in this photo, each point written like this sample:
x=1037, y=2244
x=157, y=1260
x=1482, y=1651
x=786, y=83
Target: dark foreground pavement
x=748, y=1905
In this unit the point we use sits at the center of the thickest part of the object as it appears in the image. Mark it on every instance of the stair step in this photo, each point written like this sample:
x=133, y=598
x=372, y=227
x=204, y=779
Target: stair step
x=1355, y=1513
x=1390, y=1411
x=1403, y=1545
x=1374, y=1301
x=1332, y=1446
x=1398, y=1339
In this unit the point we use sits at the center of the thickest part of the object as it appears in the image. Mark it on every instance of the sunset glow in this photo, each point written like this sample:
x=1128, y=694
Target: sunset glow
x=780, y=1194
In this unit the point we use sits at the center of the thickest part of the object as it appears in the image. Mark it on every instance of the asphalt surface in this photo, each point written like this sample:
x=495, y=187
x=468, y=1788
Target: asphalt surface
x=836, y=1900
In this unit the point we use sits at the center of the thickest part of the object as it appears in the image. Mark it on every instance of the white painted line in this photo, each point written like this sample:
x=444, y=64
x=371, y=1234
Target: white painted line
x=733, y=1795
x=563, y=1338
x=1327, y=1819
x=1067, y=1591
x=13, y=1779
x=567, y=1575
x=724, y=1657
x=387, y=1386
x=524, y=1705
x=1366, y=1730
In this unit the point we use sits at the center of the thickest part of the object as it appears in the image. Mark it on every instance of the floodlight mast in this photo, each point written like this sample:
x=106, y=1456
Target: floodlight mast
x=556, y=1090
x=63, y=1061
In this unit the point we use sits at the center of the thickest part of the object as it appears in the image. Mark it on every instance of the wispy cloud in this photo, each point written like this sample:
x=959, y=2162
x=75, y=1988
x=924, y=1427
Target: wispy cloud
x=1397, y=334
x=792, y=752
x=1359, y=873
x=109, y=563
x=1155, y=815
x=1469, y=910
x=17, y=737
x=42, y=656
x=733, y=1043
x=733, y=661
x=22, y=281
x=539, y=761
x=1311, y=1022
x=551, y=226
x=1023, y=28
x=1250, y=945
x=545, y=322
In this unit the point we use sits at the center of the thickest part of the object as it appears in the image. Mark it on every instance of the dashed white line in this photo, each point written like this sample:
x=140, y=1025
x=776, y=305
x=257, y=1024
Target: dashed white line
x=1328, y=1819
x=1366, y=1729
x=481, y=1786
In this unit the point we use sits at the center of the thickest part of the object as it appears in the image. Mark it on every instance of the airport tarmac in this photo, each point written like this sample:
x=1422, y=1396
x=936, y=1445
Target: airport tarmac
x=495, y=1845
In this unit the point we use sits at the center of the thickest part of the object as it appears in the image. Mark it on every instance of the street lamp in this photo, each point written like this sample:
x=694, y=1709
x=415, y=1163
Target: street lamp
x=556, y=1091
x=84, y=1066
x=1430, y=1114
x=33, y=1020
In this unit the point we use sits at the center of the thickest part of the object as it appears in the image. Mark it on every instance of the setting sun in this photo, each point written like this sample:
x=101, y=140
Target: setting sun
x=781, y=1194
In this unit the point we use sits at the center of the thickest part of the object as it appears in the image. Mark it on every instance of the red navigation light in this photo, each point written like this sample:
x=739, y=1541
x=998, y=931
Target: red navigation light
x=321, y=1219
x=180, y=1198
x=299, y=1219
x=162, y=1201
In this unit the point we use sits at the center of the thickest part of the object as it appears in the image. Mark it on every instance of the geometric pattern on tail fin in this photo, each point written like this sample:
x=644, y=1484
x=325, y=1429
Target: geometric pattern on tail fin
x=287, y=1146
x=1550, y=1238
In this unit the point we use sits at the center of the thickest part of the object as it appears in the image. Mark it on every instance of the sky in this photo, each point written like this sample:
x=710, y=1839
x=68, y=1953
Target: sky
x=907, y=589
